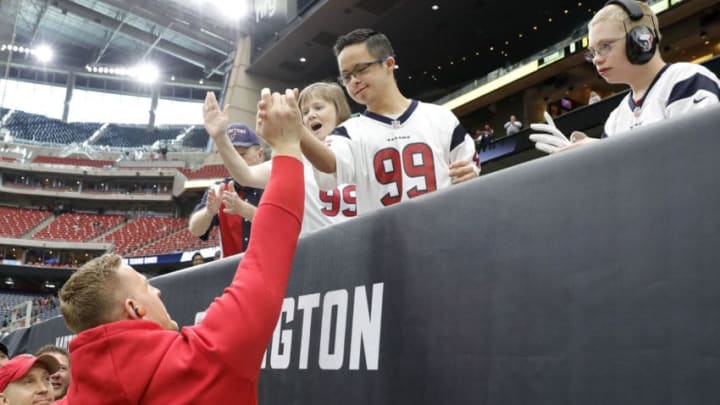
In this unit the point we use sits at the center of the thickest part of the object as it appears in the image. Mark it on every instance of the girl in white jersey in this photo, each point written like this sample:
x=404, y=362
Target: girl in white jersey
x=323, y=107
x=623, y=45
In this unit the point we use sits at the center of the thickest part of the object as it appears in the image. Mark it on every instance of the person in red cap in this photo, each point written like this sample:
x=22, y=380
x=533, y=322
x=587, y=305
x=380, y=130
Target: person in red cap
x=227, y=204
x=25, y=380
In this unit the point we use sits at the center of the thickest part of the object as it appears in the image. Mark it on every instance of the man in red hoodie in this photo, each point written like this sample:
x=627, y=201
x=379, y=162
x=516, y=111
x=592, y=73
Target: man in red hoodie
x=128, y=349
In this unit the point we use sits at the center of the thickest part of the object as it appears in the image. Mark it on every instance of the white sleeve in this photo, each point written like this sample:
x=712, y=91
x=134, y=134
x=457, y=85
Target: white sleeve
x=341, y=147
x=698, y=90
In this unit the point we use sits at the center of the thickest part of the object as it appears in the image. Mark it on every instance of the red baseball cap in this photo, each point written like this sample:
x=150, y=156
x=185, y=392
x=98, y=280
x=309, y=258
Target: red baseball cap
x=19, y=365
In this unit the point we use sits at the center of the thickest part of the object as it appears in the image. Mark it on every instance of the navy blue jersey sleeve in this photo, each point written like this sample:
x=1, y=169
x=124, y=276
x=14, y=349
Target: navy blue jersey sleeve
x=458, y=136
x=690, y=86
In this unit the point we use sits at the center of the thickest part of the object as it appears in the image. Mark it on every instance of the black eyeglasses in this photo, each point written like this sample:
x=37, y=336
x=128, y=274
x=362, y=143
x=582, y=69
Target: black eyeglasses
x=359, y=69
x=602, y=50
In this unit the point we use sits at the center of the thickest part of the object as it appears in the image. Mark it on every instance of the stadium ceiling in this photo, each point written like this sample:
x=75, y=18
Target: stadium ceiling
x=438, y=48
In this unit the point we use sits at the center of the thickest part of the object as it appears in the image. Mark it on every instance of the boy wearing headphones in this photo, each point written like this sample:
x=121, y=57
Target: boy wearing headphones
x=623, y=46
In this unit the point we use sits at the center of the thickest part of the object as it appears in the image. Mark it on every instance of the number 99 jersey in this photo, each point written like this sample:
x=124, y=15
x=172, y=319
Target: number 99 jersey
x=325, y=207
x=394, y=159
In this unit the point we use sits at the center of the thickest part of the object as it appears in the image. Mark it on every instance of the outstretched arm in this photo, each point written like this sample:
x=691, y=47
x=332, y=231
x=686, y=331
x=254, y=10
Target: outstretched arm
x=216, y=123
x=321, y=157
x=253, y=300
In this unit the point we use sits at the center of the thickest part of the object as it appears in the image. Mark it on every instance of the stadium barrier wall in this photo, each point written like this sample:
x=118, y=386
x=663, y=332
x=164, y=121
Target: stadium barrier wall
x=587, y=277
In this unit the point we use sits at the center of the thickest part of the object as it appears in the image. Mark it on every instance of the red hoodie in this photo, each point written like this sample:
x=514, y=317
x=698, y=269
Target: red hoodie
x=217, y=361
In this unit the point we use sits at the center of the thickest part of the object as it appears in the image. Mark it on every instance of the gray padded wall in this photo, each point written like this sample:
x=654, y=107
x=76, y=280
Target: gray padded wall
x=587, y=277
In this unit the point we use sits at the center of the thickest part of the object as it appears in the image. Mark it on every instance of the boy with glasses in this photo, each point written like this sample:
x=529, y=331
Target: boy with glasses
x=623, y=46
x=398, y=148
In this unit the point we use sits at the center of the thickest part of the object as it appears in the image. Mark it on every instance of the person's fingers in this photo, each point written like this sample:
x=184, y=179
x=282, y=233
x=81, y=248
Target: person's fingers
x=291, y=96
x=544, y=128
x=276, y=99
x=577, y=136
x=549, y=139
x=459, y=163
x=545, y=148
x=549, y=119
x=459, y=169
x=463, y=177
x=265, y=98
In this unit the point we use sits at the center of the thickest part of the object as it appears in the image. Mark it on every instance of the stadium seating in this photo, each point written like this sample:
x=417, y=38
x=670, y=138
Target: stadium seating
x=142, y=231
x=79, y=227
x=55, y=160
x=15, y=222
x=179, y=241
x=41, y=129
x=197, y=138
x=206, y=172
x=133, y=136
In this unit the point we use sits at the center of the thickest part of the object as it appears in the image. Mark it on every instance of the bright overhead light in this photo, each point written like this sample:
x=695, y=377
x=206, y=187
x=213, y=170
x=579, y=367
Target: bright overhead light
x=435, y=7
x=44, y=53
x=234, y=10
x=146, y=73
x=303, y=60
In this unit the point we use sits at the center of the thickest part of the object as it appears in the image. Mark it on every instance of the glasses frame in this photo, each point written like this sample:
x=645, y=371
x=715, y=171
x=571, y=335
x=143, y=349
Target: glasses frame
x=359, y=69
x=603, y=50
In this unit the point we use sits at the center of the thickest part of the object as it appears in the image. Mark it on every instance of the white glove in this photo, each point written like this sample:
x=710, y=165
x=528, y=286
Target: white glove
x=550, y=140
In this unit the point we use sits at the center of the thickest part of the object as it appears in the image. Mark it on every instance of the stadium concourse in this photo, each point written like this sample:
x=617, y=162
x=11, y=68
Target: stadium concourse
x=103, y=150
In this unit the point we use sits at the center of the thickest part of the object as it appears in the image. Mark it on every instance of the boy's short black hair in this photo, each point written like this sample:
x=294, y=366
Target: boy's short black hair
x=378, y=44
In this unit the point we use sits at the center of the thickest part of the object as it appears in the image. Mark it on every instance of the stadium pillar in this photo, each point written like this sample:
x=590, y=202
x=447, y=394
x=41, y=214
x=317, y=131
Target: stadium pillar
x=243, y=90
x=68, y=96
x=154, y=105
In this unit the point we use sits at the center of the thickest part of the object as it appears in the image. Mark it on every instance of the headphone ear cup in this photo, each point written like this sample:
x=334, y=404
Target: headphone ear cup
x=641, y=43
x=140, y=311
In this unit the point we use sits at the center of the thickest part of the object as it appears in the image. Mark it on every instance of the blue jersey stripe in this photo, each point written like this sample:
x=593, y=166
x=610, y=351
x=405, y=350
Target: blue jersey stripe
x=340, y=131
x=690, y=86
x=458, y=136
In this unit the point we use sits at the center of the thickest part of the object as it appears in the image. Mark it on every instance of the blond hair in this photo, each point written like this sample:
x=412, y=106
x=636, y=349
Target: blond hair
x=330, y=92
x=87, y=298
x=615, y=13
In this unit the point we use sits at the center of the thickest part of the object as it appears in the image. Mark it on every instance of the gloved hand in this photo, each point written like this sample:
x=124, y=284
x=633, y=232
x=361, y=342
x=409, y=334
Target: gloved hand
x=549, y=139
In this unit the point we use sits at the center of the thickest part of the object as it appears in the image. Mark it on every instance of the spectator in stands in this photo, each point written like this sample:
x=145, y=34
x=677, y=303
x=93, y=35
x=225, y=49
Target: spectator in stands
x=405, y=130
x=197, y=259
x=25, y=380
x=488, y=135
x=323, y=106
x=228, y=204
x=4, y=354
x=513, y=126
x=128, y=349
x=623, y=45
x=60, y=379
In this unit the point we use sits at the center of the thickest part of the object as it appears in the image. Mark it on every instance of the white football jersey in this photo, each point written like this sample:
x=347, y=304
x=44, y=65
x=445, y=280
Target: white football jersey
x=677, y=89
x=391, y=160
x=323, y=208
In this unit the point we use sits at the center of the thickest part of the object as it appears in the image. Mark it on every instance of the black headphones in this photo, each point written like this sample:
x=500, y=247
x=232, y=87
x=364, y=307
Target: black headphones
x=641, y=41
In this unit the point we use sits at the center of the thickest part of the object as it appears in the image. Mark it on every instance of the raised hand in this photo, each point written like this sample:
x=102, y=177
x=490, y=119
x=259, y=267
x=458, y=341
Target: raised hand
x=215, y=119
x=549, y=139
x=462, y=170
x=279, y=119
x=236, y=206
x=213, y=200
